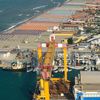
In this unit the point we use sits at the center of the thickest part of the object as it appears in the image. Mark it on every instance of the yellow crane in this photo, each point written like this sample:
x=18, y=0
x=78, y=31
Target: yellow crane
x=80, y=38
x=66, y=34
x=46, y=69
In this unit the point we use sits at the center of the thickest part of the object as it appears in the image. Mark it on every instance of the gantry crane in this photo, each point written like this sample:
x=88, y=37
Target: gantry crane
x=46, y=69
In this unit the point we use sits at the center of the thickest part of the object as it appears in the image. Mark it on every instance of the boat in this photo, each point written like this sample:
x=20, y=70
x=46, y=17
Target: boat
x=11, y=69
x=15, y=66
x=29, y=67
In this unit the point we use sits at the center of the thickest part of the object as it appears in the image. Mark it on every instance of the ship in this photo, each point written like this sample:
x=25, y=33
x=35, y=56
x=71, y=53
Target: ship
x=15, y=66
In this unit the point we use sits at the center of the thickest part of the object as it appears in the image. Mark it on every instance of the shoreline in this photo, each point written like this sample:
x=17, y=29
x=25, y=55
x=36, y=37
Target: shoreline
x=29, y=19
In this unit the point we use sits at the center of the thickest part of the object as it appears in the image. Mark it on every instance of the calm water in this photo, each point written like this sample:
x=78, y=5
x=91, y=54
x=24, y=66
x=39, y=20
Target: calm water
x=14, y=11
x=16, y=85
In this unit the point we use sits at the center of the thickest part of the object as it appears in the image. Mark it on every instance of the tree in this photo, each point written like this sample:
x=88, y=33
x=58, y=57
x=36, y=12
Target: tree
x=70, y=41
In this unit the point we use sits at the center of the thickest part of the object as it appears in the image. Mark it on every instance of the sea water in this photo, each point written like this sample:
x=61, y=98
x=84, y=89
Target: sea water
x=17, y=85
x=13, y=12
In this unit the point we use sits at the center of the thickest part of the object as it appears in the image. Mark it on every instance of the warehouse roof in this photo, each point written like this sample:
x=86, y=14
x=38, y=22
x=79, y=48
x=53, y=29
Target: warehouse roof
x=90, y=77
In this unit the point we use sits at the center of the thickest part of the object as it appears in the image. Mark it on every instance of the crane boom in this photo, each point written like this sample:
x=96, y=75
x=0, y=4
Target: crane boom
x=46, y=68
x=50, y=54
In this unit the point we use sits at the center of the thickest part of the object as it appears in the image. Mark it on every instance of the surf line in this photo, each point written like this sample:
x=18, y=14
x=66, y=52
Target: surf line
x=40, y=7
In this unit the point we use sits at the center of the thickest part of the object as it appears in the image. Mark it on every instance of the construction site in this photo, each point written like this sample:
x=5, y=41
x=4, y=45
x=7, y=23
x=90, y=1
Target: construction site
x=66, y=44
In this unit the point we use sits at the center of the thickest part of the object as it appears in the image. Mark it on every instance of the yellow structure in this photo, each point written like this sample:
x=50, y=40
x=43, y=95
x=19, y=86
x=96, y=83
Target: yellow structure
x=66, y=34
x=50, y=54
x=80, y=38
x=48, y=59
x=64, y=41
x=62, y=34
x=39, y=54
x=44, y=92
x=65, y=63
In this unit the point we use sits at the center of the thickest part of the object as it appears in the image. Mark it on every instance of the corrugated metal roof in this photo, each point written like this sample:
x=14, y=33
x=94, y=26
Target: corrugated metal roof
x=51, y=19
x=76, y=1
x=73, y=7
x=67, y=7
x=90, y=77
x=91, y=87
x=61, y=12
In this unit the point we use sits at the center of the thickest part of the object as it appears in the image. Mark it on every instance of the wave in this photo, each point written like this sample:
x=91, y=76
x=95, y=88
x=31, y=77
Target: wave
x=57, y=3
x=37, y=11
x=14, y=26
x=39, y=7
x=1, y=11
x=20, y=14
x=28, y=15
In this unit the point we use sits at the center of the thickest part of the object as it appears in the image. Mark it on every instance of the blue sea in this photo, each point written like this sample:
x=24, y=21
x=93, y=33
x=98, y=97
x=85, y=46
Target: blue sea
x=13, y=12
x=17, y=85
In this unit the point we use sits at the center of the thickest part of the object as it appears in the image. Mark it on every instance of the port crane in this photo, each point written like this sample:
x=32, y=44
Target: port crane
x=46, y=69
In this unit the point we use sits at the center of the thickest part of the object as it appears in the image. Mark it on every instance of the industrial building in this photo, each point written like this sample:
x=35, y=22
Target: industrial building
x=87, y=86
